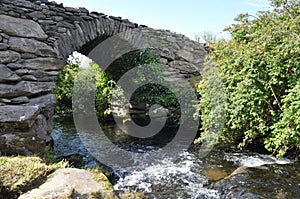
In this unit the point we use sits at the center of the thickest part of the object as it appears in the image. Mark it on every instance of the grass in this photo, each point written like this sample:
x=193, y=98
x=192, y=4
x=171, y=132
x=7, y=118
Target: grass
x=19, y=174
x=22, y=173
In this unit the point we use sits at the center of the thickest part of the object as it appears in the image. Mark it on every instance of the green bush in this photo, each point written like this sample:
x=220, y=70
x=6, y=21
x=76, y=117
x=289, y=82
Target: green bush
x=64, y=88
x=105, y=82
x=65, y=85
x=260, y=69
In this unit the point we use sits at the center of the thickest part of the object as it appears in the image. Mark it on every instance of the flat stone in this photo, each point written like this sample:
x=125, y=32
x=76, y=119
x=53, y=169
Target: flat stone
x=57, y=18
x=29, y=78
x=70, y=9
x=28, y=56
x=3, y=46
x=65, y=25
x=15, y=66
x=38, y=73
x=43, y=64
x=21, y=27
x=37, y=14
x=185, y=55
x=8, y=56
x=20, y=100
x=6, y=75
x=168, y=54
x=184, y=66
x=31, y=46
x=69, y=183
x=18, y=116
x=25, y=4
x=171, y=39
x=22, y=71
x=25, y=88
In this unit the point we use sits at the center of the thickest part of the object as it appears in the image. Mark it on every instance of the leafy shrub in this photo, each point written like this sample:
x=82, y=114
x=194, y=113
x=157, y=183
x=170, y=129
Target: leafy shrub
x=106, y=82
x=260, y=69
x=64, y=88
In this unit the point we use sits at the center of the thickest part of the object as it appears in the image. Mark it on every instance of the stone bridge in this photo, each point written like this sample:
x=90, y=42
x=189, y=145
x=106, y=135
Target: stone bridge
x=36, y=38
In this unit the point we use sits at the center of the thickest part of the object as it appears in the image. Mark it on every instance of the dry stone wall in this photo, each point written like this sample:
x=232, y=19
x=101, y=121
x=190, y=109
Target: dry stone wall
x=36, y=38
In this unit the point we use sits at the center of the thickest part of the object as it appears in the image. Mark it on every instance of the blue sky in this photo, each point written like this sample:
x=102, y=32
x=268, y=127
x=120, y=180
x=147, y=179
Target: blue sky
x=188, y=17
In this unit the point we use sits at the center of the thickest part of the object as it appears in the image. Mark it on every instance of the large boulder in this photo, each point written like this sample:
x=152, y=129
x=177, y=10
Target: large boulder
x=69, y=183
x=77, y=183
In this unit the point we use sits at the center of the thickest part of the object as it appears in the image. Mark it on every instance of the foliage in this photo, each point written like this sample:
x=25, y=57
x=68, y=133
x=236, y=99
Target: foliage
x=260, y=72
x=64, y=88
x=129, y=61
x=207, y=36
x=92, y=81
x=105, y=81
x=212, y=104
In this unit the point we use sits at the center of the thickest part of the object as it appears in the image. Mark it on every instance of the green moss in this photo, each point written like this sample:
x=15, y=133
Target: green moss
x=101, y=178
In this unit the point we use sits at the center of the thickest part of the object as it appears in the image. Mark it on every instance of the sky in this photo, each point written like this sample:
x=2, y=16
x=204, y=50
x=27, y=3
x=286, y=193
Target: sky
x=188, y=17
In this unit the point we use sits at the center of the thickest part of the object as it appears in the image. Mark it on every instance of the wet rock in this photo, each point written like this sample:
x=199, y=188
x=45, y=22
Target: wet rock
x=69, y=183
x=6, y=75
x=21, y=27
x=268, y=181
x=25, y=88
x=43, y=64
x=8, y=56
x=31, y=46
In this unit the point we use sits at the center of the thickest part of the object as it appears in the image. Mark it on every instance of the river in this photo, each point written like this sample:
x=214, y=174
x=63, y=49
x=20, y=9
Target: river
x=223, y=173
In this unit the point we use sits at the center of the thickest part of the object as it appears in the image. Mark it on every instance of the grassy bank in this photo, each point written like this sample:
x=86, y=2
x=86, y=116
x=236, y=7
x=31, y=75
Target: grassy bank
x=20, y=174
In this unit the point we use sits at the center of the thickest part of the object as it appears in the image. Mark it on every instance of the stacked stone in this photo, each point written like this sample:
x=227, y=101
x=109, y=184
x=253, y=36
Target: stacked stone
x=182, y=58
x=36, y=38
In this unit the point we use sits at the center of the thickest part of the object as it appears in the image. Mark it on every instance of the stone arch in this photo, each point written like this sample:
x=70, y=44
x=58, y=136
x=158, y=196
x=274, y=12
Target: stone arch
x=36, y=38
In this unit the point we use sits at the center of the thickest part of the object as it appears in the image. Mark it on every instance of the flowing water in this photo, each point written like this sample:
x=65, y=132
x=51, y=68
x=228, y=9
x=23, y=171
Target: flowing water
x=224, y=173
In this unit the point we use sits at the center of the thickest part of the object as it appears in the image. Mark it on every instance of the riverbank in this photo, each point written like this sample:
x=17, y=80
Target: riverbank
x=35, y=177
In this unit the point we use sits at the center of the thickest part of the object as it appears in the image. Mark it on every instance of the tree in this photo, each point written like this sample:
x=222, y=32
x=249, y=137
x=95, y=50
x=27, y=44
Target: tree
x=260, y=68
